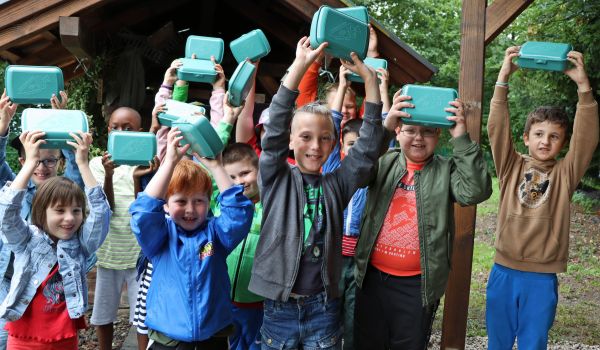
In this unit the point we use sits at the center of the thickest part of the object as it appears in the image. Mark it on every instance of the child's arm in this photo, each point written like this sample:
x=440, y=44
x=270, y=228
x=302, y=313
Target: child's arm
x=585, y=127
x=309, y=84
x=275, y=142
x=109, y=170
x=216, y=97
x=470, y=182
x=334, y=160
x=95, y=227
x=7, y=111
x=384, y=78
x=498, y=126
x=244, y=129
x=56, y=104
x=230, y=117
x=361, y=160
x=157, y=187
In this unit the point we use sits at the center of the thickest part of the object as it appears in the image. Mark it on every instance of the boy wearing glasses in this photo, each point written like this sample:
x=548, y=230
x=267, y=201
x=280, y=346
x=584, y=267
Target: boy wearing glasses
x=404, y=251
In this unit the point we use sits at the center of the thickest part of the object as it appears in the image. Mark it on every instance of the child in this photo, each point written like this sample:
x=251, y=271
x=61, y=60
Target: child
x=52, y=161
x=241, y=164
x=48, y=292
x=188, y=300
x=117, y=257
x=298, y=259
x=403, y=254
x=532, y=241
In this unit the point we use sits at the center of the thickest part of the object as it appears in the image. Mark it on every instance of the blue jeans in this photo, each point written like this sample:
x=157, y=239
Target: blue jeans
x=306, y=322
x=520, y=304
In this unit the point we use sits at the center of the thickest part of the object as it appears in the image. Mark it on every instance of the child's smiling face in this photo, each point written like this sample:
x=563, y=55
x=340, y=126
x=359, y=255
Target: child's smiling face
x=312, y=140
x=188, y=210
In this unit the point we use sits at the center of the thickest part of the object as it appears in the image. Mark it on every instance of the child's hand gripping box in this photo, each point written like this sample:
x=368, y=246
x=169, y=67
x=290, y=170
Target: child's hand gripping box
x=240, y=83
x=204, y=47
x=197, y=131
x=253, y=45
x=174, y=110
x=344, y=33
x=199, y=71
x=131, y=147
x=33, y=84
x=430, y=104
x=375, y=63
x=544, y=55
x=56, y=123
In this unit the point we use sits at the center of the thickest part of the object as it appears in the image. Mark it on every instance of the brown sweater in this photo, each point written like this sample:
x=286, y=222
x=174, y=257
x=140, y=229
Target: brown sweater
x=534, y=214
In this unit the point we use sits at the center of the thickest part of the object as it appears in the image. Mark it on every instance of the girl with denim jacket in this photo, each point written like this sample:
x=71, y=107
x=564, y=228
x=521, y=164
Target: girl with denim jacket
x=48, y=291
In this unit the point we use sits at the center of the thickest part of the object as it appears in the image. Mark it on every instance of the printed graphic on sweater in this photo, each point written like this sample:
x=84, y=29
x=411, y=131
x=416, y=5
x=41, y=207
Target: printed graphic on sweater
x=534, y=189
x=396, y=250
x=54, y=293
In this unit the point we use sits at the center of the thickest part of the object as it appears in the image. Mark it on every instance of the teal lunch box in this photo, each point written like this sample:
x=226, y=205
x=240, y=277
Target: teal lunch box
x=56, y=123
x=199, y=71
x=176, y=110
x=197, y=131
x=33, y=84
x=204, y=47
x=344, y=33
x=544, y=55
x=240, y=83
x=253, y=45
x=371, y=62
x=131, y=147
x=430, y=102
x=359, y=12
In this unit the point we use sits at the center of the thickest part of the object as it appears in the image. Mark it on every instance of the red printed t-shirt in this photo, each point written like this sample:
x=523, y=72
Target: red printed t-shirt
x=397, y=250
x=46, y=318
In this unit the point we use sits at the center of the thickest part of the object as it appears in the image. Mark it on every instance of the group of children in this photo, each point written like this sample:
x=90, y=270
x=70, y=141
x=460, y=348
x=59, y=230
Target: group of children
x=346, y=244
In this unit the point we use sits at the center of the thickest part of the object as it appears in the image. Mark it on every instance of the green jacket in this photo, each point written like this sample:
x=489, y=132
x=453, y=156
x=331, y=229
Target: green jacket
x=462, y=178
x=240, y=260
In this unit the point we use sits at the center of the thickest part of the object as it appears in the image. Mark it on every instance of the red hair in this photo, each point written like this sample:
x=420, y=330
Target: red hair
x=189, y=177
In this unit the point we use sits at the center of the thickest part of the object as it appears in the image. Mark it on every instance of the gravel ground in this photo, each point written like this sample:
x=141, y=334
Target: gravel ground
x=87, y=337
x=479, y=343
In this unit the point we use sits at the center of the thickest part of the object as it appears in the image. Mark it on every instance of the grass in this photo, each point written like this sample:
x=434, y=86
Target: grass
x=578, y=308
x=491, y=205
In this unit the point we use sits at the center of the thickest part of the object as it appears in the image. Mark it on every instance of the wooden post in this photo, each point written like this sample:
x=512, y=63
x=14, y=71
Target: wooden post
x=470, y=86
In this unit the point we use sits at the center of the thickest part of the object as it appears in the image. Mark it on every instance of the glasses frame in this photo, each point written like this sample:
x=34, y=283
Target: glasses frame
x=47, y=161
x=422, y=133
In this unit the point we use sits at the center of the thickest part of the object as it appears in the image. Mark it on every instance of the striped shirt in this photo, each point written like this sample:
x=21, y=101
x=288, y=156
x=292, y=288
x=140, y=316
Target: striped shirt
x=120, y=249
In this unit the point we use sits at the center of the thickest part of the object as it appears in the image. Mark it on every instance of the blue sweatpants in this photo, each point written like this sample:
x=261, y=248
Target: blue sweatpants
x=247, y=322
x=520, y=304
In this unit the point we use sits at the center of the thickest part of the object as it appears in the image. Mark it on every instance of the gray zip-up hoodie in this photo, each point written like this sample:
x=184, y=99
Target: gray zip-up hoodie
x=279, y=249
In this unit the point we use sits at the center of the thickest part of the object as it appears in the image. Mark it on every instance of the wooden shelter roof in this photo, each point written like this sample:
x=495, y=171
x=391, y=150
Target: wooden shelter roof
x=30, y=33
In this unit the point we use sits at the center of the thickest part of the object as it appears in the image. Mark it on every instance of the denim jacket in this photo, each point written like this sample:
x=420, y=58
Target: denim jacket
x=7, y=174
x=36, y=254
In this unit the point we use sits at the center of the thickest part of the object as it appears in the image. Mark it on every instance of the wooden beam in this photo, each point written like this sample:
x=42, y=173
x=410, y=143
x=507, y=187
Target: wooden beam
x=10, y=56
x=500, y=14
x=16, y=11
x=470, y=86
x=75, y=37
x=269, y=84
x=48, y=56
x=45, y=20
x=271, y=25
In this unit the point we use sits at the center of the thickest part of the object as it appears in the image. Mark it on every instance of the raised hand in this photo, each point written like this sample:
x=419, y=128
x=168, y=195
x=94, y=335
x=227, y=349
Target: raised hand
x=508, y=66
x=220, y=82
x=174, y=151
x=62, y=104
x=82, y=143
x=395, y=115
x=143, y=170
x=7, y=112
x=460, y=128
x=577, y=73
x=108, y=164
x=31, y=141
x=171, y=73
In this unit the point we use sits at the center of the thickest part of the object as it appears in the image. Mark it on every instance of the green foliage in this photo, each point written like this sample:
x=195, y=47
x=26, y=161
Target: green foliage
x=588, y=203
x=432, y=28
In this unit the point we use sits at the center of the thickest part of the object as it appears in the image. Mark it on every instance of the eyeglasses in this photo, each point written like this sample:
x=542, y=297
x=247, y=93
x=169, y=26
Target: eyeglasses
x=48, y=163
x=424, y=132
